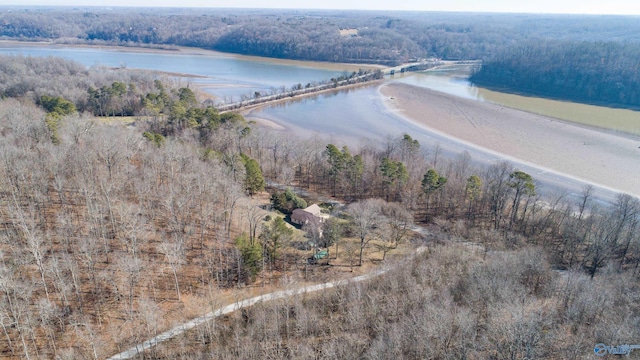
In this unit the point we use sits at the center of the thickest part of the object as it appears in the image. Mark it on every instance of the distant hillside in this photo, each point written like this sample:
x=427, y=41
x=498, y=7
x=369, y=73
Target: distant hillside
x=313, y=35
x=601, y=73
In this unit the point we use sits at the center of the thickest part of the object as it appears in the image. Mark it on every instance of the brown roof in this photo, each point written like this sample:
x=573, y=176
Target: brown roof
x=301, y=216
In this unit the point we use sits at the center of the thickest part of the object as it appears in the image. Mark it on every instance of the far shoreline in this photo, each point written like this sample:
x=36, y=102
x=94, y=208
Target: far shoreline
x=185, y=50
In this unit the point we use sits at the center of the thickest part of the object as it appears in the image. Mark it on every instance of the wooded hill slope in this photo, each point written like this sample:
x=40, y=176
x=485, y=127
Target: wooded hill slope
x=110, y=234
x=599, y=73
x=452, y=302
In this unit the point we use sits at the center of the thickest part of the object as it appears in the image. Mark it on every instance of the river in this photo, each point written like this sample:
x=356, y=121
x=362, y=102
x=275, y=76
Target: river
x=225, y=76
x=348, y=116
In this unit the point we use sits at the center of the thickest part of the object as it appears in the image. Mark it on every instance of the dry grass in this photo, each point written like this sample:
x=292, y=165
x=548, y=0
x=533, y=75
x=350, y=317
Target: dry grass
x=124, y=120
x=622, y=120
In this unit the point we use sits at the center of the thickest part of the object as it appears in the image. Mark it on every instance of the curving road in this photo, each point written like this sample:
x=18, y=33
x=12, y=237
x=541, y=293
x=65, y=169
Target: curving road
x=180, y=329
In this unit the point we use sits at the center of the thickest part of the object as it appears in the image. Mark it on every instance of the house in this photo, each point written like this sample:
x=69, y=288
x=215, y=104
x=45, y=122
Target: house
x=315, y=210
x=301, y=217
x=310, y=214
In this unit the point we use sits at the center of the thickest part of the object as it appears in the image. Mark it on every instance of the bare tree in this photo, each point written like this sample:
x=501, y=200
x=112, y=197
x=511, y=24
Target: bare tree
x=365, y=219
x=35, y=242
x=587, y=193
x=173, y=250
x=89, y=335
x=351, y=254
x=394, y=226
x=497, y=190
x=397, y=223
x=133, y=225
x=254, y=215
x=437, y=151
x=600, y=247
x=627, y=213
x=14, y=310
x=150, y=314
x=131, y=267
x=229, y=194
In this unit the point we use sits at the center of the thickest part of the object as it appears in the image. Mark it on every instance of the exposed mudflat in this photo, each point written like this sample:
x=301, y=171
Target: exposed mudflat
x=590, y=154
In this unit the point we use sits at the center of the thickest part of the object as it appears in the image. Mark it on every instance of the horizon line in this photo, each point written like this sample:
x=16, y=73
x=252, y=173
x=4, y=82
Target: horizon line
x=190, y=7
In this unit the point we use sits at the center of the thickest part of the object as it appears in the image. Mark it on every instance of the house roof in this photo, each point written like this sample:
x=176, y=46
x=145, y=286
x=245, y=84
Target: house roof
x=302, y=216
x=313, y=209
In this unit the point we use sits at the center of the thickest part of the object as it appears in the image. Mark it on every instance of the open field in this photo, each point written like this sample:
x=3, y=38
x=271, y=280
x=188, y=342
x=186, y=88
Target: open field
x=589, y=154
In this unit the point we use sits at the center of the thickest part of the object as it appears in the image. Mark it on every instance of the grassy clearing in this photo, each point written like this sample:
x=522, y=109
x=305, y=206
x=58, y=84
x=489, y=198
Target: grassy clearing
x=125, y=120
x=622, y=120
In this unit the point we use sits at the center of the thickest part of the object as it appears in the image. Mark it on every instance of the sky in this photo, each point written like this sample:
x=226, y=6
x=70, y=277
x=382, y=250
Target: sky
x=618, y=7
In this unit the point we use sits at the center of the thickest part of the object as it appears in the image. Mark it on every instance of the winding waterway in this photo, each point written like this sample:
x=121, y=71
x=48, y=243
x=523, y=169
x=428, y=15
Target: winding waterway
x=222, y=75
x=348, y=116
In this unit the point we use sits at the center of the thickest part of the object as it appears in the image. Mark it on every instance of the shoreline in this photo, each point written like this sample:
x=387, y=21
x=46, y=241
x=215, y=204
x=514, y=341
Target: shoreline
x=580, y=152
x=185, y=50
x=248, y=111
x=182, y=50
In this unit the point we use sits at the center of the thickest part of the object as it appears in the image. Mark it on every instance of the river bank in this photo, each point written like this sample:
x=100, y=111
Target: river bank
x=183, y=50
x=249, y=112
x=589, y=154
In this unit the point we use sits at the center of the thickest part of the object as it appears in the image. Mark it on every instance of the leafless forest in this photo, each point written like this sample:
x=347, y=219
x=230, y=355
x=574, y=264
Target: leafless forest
x=109, y=234
x=454, y=302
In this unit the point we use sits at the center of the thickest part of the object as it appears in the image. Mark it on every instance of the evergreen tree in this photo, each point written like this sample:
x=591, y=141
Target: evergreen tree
x=254, y=180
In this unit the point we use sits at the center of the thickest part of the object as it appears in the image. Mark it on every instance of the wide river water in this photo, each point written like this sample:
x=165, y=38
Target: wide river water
x=352, y=115
x=223, y=75
x=346, y=116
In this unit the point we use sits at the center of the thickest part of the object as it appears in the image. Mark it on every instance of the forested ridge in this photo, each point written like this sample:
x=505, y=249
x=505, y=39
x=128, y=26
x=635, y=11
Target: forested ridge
x=451, y=302
x=391, y=37
x=111, y=234
x=600, y=73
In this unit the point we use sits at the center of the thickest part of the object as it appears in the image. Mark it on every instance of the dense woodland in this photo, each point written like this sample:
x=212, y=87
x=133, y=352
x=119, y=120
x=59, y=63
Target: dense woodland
x=589, y=59
x=110, y=234
x=601, y=73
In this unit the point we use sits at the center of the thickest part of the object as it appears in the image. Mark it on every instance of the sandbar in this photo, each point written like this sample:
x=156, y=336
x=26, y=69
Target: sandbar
x=593, y=155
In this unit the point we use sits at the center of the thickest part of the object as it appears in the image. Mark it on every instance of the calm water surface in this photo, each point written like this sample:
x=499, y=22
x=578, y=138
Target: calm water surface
x=345, y=116
x=452, y=80
x=361, y=113
x=224, y=75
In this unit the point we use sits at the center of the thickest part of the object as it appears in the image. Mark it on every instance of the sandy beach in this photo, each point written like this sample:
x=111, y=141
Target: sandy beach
x=590, y=154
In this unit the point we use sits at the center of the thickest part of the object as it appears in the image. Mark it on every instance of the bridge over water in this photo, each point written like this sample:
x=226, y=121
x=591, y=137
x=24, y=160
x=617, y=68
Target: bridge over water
x=427, y=64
